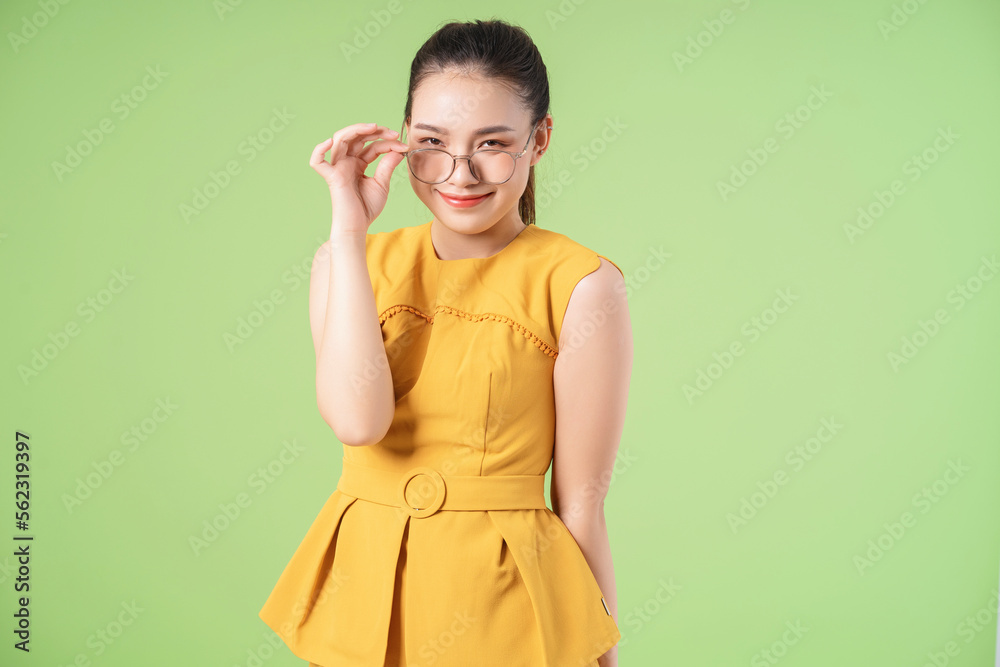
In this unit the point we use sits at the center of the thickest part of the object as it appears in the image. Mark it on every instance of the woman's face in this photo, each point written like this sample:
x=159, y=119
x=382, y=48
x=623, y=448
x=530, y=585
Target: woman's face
x=448, y=111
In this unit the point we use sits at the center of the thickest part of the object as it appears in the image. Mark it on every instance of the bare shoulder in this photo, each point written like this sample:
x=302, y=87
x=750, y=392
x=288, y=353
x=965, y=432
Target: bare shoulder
x=598, y=298
x=607, y=279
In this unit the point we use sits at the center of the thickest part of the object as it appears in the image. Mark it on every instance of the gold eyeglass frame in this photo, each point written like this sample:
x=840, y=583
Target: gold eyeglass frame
x=456, y=158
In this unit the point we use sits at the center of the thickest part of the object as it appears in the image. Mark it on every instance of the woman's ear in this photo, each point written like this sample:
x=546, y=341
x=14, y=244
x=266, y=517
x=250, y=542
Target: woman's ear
x=543, y=138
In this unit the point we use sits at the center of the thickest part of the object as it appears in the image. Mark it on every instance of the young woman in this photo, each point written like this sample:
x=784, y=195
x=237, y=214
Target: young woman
x=455, y=360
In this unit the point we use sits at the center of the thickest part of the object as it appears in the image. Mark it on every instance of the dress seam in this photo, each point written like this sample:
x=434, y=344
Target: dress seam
x=535, y=339
x=486, y=422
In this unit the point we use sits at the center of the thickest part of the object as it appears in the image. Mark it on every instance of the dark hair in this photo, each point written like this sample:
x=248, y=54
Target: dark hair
x=493, y=49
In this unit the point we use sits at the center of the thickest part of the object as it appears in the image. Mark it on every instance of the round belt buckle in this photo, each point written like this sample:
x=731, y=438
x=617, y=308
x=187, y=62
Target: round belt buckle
x=430, y=504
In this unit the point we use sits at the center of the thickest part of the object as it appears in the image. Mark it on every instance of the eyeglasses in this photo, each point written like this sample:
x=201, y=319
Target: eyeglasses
x=488, y=165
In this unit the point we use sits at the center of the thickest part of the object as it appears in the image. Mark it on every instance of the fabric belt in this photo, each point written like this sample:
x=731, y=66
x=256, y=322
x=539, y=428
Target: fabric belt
x=422, y=491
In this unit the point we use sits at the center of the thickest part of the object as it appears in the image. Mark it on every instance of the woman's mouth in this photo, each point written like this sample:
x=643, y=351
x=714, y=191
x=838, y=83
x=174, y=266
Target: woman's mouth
x=463, y=201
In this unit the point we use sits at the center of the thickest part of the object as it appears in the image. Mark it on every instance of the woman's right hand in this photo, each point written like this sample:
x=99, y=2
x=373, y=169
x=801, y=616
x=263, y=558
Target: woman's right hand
x=358, y=199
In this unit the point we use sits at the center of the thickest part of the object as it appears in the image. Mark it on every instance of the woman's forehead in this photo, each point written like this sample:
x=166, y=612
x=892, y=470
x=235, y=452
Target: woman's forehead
x=459, y=103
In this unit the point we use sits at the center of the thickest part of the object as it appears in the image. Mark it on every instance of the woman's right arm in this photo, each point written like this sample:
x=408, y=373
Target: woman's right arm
x=354, y=390
x=353, y=383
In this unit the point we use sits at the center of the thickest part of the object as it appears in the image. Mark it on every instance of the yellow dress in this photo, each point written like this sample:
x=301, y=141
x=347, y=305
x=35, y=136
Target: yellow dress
x=437, y=547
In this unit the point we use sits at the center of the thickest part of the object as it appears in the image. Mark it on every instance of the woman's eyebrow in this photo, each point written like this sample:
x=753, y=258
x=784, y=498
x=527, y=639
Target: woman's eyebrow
x=489, y=129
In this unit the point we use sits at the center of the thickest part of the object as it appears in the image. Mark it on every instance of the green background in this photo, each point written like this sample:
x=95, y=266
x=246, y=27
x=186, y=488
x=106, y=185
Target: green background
x=641, y=142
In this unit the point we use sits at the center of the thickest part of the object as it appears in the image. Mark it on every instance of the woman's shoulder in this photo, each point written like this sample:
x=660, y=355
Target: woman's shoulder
x=558, y=263
x=561, y=252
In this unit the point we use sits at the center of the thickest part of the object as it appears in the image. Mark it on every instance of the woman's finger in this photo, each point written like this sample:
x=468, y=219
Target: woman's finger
x=319, y=152
x=383, y=172
x=352, y=131
x=376, y=148
x=353, y=143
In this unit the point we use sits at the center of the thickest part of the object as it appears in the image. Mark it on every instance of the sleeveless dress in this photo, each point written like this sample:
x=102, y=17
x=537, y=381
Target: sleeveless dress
x=437, y=547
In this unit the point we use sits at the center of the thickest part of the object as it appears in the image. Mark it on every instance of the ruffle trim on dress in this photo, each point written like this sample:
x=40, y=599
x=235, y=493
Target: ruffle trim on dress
x=473, y=317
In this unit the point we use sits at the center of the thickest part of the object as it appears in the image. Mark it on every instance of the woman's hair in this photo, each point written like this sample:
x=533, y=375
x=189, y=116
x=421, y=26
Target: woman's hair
x=496, y=50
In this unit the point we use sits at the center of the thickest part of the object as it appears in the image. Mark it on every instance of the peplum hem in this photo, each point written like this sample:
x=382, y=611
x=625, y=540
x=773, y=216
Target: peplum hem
x=333, y=602
x=304, y=585
x=570, y=614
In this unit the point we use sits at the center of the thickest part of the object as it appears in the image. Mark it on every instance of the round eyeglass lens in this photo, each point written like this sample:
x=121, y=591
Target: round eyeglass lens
x=434, y=166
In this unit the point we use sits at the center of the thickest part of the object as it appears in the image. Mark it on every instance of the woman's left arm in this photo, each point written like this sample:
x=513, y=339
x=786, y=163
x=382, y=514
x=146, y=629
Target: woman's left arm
x=591, y=379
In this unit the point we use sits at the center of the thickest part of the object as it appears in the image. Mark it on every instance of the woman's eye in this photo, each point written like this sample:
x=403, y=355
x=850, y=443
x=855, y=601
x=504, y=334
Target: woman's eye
x=489, y=143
